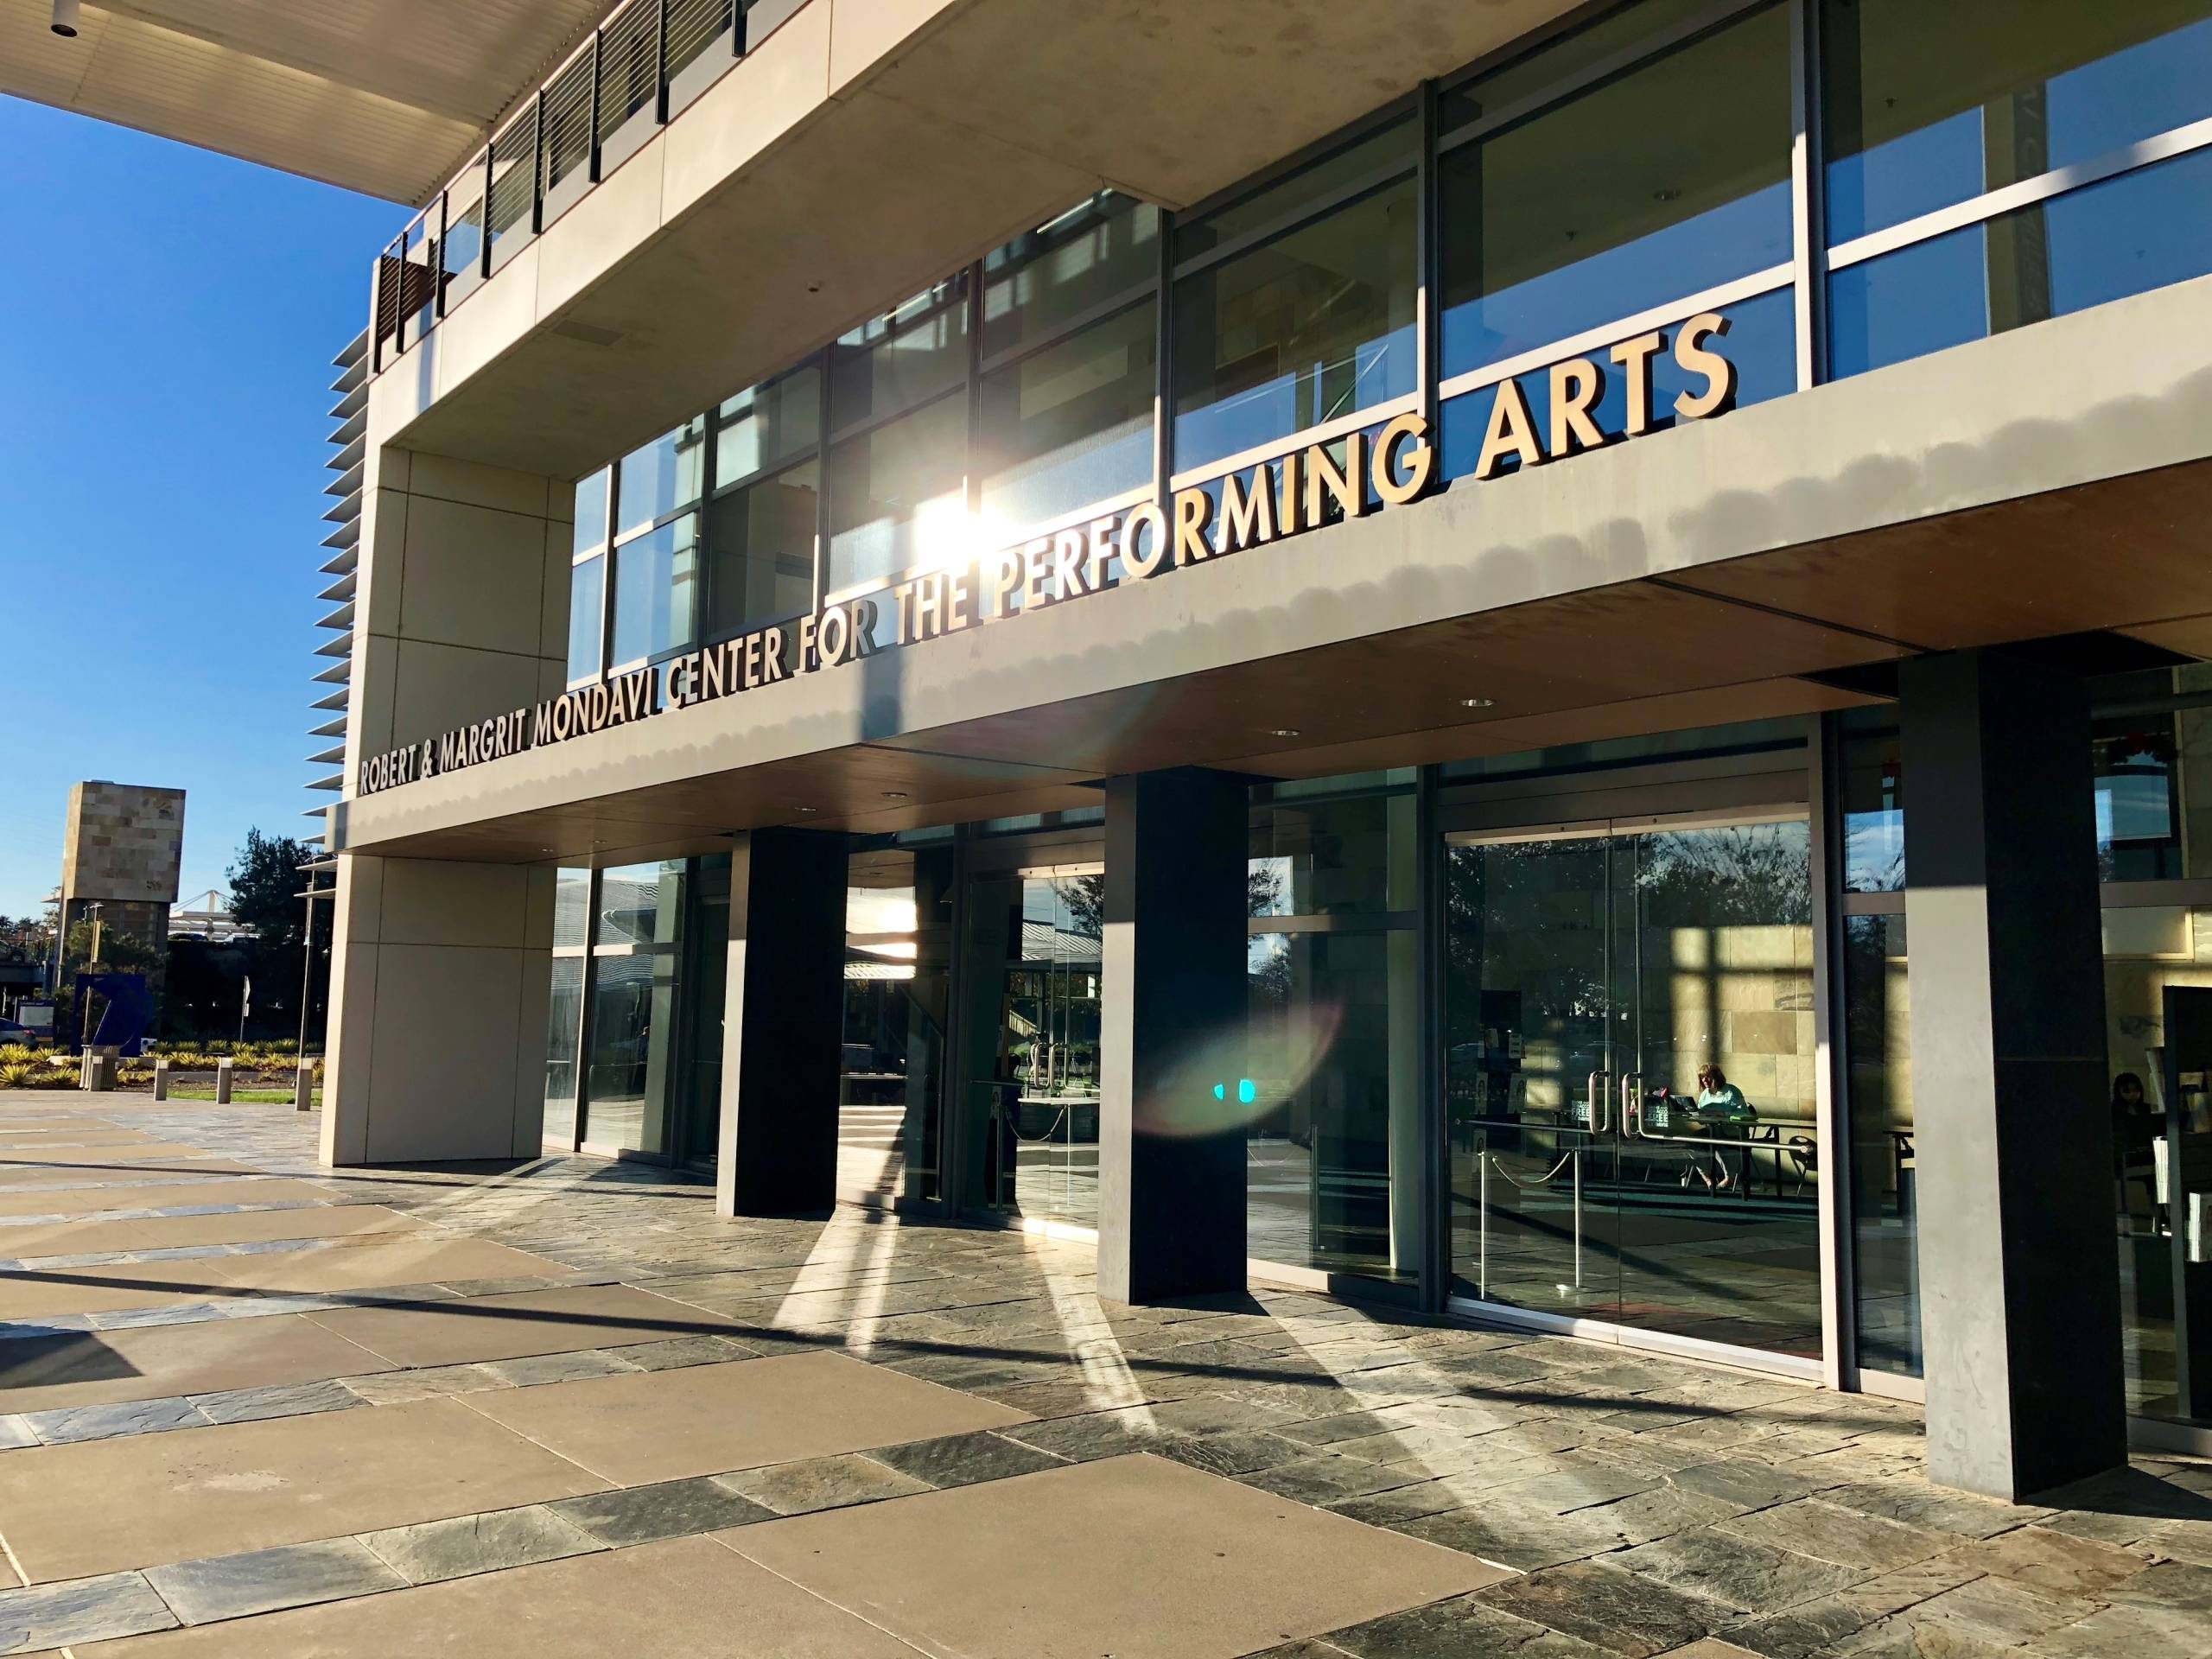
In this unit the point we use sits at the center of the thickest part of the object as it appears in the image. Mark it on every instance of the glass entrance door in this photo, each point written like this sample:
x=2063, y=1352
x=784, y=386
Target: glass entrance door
x=1629, y=1073
x=1034, y=976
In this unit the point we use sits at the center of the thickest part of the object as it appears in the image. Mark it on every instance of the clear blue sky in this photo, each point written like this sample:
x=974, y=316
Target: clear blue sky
x=170, y=317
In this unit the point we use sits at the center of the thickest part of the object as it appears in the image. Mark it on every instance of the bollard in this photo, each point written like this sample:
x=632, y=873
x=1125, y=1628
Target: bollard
x=222, y=1082
x=87, y=1067
x=161, y=1076
x=99, y=1074
x=303, y=1087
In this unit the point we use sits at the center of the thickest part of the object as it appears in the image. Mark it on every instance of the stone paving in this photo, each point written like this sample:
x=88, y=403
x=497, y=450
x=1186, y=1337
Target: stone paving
x=860, y=1436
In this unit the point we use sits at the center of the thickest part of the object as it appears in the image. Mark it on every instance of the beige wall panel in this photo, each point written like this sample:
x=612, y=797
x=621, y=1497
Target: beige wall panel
x=439, y=687
x=369, y=701
x=479, y=485
x=475, y=576
x=443, y=1055
x=428, y=902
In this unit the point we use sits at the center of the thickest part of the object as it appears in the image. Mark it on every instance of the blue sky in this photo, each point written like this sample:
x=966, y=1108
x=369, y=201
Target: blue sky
x=170, y=317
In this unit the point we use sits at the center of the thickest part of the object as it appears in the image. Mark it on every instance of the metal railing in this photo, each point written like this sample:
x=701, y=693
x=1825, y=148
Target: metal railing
x=646, y=63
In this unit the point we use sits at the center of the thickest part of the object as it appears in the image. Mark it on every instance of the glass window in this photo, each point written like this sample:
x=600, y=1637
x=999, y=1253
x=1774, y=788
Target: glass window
x=1554, y=223
x=632, y=1023
x=899, y=360
x=2157, y=962
x=1314, y=325
x=563, y=1018
x=1574, y=55
x=2152, y=754
x=591, y=510
x=1071, y=423
x=1106, y=245
x=2140, y=230
x=1873, y=802
x=641, y=904
x=662, y=476
x=1886, y=1223
x=571, y=908
x=898, y=495
x=765, y=425
x=1375, y=156
x=1333, y=1137
x=1330, y=854
x=1931, y=104
x=761, y=551
x=656, y=589
x=898, y=968
x=587, y=588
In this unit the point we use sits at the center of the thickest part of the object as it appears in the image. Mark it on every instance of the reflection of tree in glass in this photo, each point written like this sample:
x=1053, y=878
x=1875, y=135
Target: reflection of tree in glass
x=1744, y=876
x=1084, y=898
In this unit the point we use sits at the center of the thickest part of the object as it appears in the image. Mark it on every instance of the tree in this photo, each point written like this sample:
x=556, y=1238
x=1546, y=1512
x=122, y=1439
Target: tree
x=265, y=885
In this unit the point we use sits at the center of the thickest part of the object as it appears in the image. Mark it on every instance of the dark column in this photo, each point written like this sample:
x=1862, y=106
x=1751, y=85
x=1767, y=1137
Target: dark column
x=1170, y=1154
x=783, y=1024
x=2019, y=1271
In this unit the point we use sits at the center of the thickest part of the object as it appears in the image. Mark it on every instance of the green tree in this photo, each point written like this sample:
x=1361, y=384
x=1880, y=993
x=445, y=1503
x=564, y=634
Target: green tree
x=265, y=885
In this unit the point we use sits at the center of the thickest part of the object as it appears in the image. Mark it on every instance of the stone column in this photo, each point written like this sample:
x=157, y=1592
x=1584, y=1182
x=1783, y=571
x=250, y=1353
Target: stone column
x=1171, y=1155
x=783, y=1024
x=440, y=972
x=2018, y=1275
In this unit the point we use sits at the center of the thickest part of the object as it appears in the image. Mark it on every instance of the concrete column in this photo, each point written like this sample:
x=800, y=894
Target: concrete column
x=783, y=1022
x=1171, y=1155
x=2019, y=1278
x=440, y=974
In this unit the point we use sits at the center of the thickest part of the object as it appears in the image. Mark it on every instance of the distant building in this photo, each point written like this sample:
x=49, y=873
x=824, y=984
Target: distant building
x=123, y=851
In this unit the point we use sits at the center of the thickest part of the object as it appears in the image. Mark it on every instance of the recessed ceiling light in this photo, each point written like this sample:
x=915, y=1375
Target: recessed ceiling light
x=806, y=809
x=894, y=794
x=1286, y=731
x=1476, y=702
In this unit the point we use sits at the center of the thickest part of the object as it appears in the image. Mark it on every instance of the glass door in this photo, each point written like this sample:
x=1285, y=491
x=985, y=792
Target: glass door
x=1629, y=1073
x=1034, y=973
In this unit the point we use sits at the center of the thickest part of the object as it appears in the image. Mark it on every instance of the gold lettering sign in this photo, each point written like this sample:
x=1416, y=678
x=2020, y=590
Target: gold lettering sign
x=1247, y=508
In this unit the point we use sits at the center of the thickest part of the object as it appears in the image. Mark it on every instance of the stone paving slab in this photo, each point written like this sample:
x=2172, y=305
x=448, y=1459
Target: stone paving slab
x=1043, y=1565
x=379, y=1261
x=180, y=1233
x=151, y=1195
x=139, y=1149
x=707, y=1419
x=143, y=1164
x=29, y=1294
x=69, y=1511
x=691, y=1594
x=466, y=1332
x=87, y=1134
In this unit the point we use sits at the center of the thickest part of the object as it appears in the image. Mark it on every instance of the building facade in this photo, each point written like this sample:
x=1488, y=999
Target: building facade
x=121, y=854
x=1544, y=663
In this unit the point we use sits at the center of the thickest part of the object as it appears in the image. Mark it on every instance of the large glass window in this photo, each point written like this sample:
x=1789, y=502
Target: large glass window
x=1885, y=1216
x=587, y=597
x=1930, y=104
x=2103, y=242
x=591, y=512
x=1873, y=801
x=631, y=1028
x=897, y=969
x=902, y=359
x=667, y=473
x=1043, y=282
x=898, y=497
x=1552, y=224
x=761, y=551
x=1334, y=1153
x=1313, y=324
x=564, y=1014
x=656, y=590
x=766, y=425
x=1071, y=423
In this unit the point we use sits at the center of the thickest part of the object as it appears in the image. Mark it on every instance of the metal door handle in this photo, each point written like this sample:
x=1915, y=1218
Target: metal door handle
x=1599, y=1117
x=1632, y=1103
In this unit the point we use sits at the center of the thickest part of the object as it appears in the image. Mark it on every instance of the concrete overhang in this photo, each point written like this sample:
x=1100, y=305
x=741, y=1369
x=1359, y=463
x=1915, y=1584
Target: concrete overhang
x=859, y=153
x=386, y=96
x=2048, y=481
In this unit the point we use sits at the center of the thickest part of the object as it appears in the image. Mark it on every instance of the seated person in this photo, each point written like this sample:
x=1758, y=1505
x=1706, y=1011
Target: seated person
x=1726, y=1115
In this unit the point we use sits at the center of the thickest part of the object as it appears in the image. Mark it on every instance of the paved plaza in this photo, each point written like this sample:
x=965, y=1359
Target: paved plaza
x=252, y=1408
